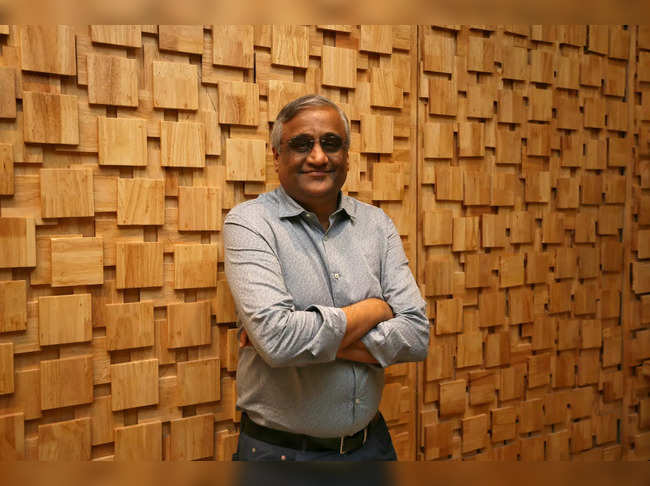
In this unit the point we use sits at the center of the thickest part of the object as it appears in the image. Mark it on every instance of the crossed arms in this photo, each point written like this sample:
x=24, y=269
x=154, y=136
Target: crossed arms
x=377, y=330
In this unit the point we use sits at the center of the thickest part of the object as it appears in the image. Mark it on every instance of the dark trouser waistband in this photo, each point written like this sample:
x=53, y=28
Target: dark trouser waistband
x=306, y=442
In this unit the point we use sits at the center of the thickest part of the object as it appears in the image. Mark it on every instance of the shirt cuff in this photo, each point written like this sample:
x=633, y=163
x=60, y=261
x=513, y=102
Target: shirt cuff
x=376, y=342
x=333, y=326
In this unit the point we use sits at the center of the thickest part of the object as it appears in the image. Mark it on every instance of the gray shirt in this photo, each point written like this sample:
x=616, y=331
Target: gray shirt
x=290, y=279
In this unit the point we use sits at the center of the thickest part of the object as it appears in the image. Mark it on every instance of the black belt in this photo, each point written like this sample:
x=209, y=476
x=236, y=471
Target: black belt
x=306, y=442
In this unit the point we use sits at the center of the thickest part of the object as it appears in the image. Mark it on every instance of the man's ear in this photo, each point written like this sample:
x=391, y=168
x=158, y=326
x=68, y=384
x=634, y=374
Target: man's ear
x=276, y=159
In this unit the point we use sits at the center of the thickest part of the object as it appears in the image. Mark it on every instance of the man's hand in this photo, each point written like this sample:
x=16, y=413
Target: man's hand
x=243, y=339
x=357, y=351
x=363, y=316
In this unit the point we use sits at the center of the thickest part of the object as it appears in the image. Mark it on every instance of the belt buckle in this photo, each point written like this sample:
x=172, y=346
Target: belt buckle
x=365, y=436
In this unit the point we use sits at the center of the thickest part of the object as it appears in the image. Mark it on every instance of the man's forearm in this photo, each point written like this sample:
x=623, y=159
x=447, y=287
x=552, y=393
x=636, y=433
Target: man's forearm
x=357, y=351
x=363, y=316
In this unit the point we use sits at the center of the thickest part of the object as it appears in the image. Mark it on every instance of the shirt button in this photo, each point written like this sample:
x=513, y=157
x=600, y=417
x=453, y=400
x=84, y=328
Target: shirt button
x=357, y=401
x=336, y=276
x=325, y=238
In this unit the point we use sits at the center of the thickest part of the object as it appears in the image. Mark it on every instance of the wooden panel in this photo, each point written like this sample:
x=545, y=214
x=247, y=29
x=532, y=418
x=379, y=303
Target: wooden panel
x=77, y=261
x=140, y=201
x=122, y=141
x=181, y=38
x=12, y=437
x=195, y=266
x=65, y=441
x=339, y=67
x=13, y=306
x=112, y=80
x=199, y=208
x=48, y=49
x=290, y=45
x=233, y=45
x=66, y=382
x=18, y=247
x=192, y=438
x=245, y=160
x=376, y=38
x=198, y=382
x=7, y=368
x=67, y=193
x=175, y=85
x=7, y=93
x=142, y=442
x=64, y=319
x=134, y=384
x=188, y=324
x=238, y=103
x=50, y=118
x=129, y=325
x=376, y=134
x=119, y=35
x=138, y=265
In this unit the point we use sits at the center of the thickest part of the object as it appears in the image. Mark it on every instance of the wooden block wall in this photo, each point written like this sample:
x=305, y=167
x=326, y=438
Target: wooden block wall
x=121, y=150
x=530, y=143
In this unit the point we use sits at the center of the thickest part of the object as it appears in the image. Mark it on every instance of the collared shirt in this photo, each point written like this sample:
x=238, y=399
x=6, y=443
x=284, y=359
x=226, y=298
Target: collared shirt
x=289, y=279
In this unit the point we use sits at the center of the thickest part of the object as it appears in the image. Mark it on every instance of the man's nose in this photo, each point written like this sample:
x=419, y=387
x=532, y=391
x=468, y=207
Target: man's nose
x=317, y=155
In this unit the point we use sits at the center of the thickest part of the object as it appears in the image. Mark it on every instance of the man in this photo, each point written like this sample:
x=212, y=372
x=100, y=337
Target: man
x=325, y=300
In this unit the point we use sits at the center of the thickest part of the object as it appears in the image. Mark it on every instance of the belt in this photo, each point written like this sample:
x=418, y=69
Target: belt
x=303, y=442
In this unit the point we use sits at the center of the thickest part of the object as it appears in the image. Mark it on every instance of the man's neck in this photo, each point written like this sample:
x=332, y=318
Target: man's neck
x=322, y=209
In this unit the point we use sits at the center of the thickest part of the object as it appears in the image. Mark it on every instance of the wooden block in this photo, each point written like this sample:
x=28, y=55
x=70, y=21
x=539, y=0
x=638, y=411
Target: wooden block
x=438, y=277
x=508, y=150
x=339, y=67
x=619, y=42
x=6, y=170
x=7, y=92
x=67, y=193
x=480, y=54
x=122, y=141
x=18, y=247
x=438, y=140
x=13, y=306
x=521, y=227
x=610, y=219
x=482, y=387
x=50, y=118
x=438, y=440
x=66, y=382
x=619, y=153
x=142, y=442
x=140, y=201
x=585, y=228
x=138, y=265
x=511, y=106
x=503, y=424
x=497, y=349
x=591, y=189
x=134, y=384
x=376, y=38
x=443, y=96
x=471, y=139
x=568, y=193
x=438, y=50
x=614, y=189
x=476, y=188
x=564, y=374
x=512, y=382
x=283, y=92
x=103, y=420
x=245, y=160
x=449, y=183
x=387, y=182
x=452, y=397
x=181, y=38
x=553, y=228
x=66, y=441
x=118, y=35
x=77, y=261
x=188, y=324
x=195, y=266
x=7, y=382
x=48, y=49
x=376, y=134
x=531, y=416
x=466, y=234
x=12, y=437
x=192, y=438
x=64, y=319
x=469, y=349
x=540, y=104
x=511, y=271
x=475, y=432
x=198, y=382
x=492, y=308
x=617, y=115
x=568, y=73
x=290, y=45
x=559, y=297
x=232, y=45
x=493, y=230
x=383, y=89
x=641, y=277
x=175, y=85
x=182, y=144
x=538, y=140
x=112, y=80
x=129, y=325
x=440, y=361
x=520, y=303
x=515, y=63
x=502, y=192
x=238, y=103
x=449, y=316
x=437, y=227
x=539, y=370
x=478, y=268
x=643, y=66
x=537, y=265
x=199, y=208
x=541, y=66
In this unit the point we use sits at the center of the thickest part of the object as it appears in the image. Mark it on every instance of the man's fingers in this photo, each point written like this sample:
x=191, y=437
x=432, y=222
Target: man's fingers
x=243, y=339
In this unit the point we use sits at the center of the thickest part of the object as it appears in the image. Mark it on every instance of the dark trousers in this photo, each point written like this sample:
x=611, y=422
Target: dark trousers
x=378, y=447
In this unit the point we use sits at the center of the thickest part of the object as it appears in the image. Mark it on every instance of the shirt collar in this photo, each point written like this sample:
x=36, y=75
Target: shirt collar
x=288, y=207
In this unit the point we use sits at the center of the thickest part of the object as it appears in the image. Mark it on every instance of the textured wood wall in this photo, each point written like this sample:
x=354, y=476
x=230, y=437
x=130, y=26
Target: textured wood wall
x=532, y=143
x=514, y=161
x=121, y=149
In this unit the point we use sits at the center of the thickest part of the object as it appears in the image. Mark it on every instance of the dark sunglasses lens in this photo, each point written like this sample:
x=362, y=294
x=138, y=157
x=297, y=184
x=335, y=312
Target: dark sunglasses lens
x=301, y=144
x=331, y=143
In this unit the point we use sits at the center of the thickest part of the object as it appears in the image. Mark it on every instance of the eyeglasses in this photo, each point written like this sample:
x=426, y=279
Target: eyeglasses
x=330, y=143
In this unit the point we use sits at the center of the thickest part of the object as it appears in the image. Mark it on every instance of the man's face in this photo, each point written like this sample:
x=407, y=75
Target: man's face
x=312, y=163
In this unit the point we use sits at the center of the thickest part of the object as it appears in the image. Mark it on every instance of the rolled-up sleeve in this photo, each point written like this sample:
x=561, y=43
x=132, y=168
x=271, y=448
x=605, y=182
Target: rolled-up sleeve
x=282, y=335
x=405, y=337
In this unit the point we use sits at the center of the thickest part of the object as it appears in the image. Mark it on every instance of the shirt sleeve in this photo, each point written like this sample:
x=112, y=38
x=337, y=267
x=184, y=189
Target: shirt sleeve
x=405, y=337
x=282, y=335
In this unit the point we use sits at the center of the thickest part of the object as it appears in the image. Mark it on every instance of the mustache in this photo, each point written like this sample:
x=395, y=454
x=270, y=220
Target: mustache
x=315, y=170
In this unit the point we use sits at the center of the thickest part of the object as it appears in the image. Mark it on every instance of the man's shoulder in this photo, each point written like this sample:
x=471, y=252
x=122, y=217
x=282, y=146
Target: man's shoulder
x=261, y=208
x=364, y=212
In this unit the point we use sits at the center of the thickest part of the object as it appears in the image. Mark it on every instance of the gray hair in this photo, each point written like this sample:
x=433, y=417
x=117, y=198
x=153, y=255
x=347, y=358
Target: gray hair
x=294, y=107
